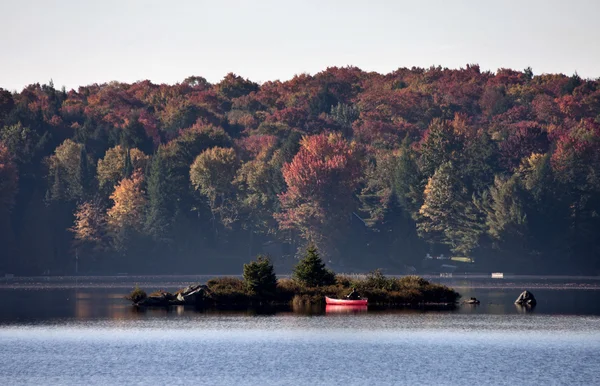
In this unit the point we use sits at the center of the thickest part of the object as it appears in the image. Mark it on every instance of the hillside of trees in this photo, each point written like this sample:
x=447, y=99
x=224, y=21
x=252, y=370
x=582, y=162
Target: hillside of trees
x=376, y=170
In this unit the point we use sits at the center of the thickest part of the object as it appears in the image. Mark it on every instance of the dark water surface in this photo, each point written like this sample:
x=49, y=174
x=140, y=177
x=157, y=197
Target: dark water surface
x=68, y=331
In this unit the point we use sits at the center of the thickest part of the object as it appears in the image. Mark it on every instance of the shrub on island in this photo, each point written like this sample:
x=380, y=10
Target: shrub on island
x=402, y=290
x=137, y=295
x=227, y=290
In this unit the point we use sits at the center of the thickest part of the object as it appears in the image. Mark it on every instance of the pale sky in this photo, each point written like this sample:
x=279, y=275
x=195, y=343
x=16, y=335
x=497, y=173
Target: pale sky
x=78, y=42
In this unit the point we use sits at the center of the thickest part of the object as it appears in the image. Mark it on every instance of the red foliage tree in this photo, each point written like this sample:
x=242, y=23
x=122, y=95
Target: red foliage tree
x=321, y=180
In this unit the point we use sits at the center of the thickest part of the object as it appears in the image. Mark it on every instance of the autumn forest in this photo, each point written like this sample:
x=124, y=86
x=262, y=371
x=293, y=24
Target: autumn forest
x=376, y=170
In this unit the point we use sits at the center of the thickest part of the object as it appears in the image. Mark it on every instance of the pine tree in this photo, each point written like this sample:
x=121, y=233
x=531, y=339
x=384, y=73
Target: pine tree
x=259, y=276
x=158, y=218
x=128, y=169
x=86, y=178
x=344, y=115
x=311, y=271
x=440, y=145
x=528, y=73
x=505, y=209
x=407, y=185
x=448, y=214
x=57, y=188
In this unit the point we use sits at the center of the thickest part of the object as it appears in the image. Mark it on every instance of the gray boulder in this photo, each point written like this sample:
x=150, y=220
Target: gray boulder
x=192, y=295
x=526, y=299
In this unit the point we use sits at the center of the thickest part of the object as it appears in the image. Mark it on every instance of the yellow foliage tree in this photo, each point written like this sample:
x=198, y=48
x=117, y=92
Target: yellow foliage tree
x=126, y=217
x=212, y=174
x=64, y=170
x=111, y=168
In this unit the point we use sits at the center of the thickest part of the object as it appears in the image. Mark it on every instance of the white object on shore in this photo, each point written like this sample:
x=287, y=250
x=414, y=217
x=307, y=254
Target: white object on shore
x=497, y=275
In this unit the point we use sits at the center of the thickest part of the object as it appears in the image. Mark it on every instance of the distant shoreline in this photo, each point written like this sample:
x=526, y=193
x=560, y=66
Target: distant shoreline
x=177, y=281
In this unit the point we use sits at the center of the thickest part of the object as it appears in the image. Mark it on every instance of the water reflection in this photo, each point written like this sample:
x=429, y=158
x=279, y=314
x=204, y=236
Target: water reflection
x=36, y=305
x=96, y=304
x=524, y=309
x=343, y=309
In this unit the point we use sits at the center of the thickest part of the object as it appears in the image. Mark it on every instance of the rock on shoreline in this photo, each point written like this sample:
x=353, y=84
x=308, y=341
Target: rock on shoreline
x=192, y=295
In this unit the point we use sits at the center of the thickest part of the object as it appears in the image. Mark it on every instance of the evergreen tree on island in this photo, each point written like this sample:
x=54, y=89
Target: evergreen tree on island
x=311, y=271
x=259, y=276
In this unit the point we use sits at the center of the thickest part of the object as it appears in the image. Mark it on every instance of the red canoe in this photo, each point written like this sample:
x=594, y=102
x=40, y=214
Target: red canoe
x=346, y=302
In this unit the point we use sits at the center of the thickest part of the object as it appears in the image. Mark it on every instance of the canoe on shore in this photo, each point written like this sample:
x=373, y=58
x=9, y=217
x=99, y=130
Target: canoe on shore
x=346, y=302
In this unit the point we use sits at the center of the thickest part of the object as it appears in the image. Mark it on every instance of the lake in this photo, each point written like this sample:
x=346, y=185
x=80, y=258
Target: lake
x=76, y=331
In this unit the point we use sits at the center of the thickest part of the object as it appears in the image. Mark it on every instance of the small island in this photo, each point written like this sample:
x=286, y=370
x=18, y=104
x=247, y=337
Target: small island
x=310, y=283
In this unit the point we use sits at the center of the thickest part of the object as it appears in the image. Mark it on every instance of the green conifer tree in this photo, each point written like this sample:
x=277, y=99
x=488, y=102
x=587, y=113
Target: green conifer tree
x=406, y=181
x=158, y=217
x=259, y=276
x=128, y=169
x=86, y=175
x=449, y=215
x=311, y=271
x=57, y=187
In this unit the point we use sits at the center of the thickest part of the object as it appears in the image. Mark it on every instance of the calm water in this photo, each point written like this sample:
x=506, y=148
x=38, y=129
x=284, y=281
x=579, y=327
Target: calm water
x=53, y=334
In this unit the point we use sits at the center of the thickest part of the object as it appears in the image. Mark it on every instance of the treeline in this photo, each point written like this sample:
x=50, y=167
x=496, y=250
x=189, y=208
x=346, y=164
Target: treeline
x=376, y=170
